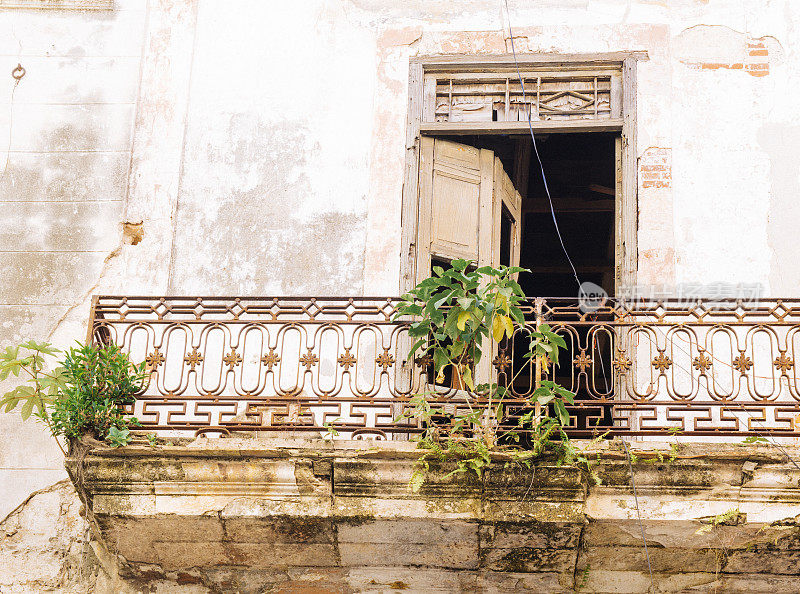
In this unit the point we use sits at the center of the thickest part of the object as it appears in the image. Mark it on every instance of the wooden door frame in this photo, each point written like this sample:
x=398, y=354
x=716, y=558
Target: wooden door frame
x=626, y=212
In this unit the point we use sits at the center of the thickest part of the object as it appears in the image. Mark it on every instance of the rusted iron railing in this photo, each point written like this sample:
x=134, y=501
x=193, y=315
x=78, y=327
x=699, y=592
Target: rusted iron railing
x=302, y=363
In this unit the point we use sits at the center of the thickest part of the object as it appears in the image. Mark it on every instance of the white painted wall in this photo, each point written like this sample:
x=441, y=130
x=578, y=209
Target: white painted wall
x=62, y=192
x=261, y=145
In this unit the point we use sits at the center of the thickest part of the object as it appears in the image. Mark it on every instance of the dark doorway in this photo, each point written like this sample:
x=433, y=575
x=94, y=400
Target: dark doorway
x=580, y=172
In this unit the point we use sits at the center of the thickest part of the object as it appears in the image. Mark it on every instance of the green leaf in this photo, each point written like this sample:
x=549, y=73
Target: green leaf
x=516, y=288
x=441, y=301
x=27, y=408
x=24, y=391
x=118, y=437
x=465, y=303
x=545, y=399
x=419, y=329
x=439, y=362
x=42, y=347
x=516, y=269
x=561, y=412
x=553, y=337
x=10, y=354
x=417, y=480
x=415, y=347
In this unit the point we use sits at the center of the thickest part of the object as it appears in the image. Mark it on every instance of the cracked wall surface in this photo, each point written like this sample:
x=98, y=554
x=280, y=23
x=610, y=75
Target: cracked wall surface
x=184, y=147
x=62, y=190
x=41, y=542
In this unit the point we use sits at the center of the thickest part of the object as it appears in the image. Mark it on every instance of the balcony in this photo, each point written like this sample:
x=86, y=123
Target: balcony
x=244, y=494
x=223, y=364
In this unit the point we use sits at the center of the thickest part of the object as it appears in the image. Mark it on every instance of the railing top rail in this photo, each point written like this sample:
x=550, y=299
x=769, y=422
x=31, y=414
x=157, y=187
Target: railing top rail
x=381, y=309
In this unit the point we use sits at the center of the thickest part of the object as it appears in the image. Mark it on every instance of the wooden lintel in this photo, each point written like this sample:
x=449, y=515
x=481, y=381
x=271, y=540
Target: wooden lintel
x=458, y=62
x=543, y=126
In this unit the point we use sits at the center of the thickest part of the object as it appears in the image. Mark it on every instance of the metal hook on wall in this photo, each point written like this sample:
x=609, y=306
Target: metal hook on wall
x=18, y=72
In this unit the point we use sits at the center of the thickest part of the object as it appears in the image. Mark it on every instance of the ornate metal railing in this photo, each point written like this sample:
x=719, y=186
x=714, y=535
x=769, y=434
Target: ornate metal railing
x=301, y=364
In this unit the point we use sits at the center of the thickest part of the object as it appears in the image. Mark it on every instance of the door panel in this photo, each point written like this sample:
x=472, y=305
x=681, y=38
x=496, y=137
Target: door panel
x=453, y=198
x=507, y=204
x=465, y=198
x=463, y=193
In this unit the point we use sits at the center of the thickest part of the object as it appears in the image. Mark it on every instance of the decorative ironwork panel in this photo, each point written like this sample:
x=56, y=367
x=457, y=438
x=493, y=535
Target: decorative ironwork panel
x=484, y=97
x=299, y=364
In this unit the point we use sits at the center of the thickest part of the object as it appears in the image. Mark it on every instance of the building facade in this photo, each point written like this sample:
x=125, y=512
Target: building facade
x=167, y=147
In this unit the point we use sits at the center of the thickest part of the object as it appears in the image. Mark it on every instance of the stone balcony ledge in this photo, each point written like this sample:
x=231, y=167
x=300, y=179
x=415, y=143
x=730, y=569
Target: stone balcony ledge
x=250, y=513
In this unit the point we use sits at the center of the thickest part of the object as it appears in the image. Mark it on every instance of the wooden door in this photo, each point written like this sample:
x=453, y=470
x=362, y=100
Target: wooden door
x=506, y=216
x=468, y=208
x=465, y=199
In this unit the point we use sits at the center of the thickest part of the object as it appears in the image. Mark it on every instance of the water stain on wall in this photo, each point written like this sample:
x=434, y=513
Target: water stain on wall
x=243, y=222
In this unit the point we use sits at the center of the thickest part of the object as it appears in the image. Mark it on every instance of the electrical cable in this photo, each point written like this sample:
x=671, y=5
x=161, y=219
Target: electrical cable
x=541, y=168
x=536, y=149
x=577, y=280
x=569, y=259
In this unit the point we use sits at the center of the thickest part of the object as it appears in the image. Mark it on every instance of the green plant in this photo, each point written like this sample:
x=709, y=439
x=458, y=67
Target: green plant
x=118, y=437
x=40, y=388
x=85, y=394
x=330, y=430
x=732, y=517
x=753, y=439
x=101, y=380
x=459, y=315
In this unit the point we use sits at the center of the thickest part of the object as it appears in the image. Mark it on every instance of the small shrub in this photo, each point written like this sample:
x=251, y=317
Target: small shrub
x=83, y=394
x=100, y=381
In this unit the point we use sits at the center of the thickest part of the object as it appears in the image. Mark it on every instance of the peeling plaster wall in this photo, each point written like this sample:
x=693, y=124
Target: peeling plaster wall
x=198, y=147
x=61, y=192
x=276, y=157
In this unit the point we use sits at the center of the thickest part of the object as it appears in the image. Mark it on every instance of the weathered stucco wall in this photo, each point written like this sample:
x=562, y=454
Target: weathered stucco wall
x=62, y=190
x=260, y=149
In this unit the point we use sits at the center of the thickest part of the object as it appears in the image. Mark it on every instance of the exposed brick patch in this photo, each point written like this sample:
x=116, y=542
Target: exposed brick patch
x=735, y=51
x=655, y=168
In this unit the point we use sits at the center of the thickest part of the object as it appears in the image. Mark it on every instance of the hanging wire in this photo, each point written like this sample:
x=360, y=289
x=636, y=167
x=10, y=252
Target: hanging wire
x=536, y=149
x=541, y=169
x=638, y=514
x=17, y=75
x=572, y=265
x=577, y=280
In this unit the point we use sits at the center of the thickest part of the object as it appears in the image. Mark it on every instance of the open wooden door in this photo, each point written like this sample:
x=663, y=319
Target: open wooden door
x=506, y=215
x=468, y=208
